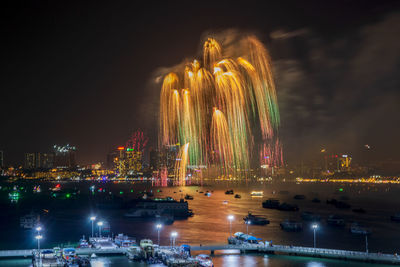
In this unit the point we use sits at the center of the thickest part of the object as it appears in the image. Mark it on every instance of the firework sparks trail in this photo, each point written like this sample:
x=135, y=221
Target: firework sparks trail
x=217, y=105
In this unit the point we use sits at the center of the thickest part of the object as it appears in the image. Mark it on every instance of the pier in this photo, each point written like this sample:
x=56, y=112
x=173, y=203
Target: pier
x=243, y=248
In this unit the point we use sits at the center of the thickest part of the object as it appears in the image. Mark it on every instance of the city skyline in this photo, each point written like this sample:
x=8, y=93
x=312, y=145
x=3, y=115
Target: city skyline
x=340, y=95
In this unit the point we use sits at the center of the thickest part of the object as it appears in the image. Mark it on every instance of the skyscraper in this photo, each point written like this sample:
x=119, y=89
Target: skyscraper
x=1, y=159
x=30, y=161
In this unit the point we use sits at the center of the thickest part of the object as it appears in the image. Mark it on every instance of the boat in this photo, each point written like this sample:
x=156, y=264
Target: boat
x=335, y=220
x=124, y=241
x=229, y=192
x=207, y=194
x=288, y=207
x=147, y=247
x=204, y=260
x=225, y=202
x=102, y=243
x=47, y=258
x=149, y=208
x=359, y=210
x=240, y=238
x=271, y=203
x=316, y=200
x=396, y=217
x=188, y=197
x=83, y=243
x=257, y=193
x=255, y=219
x=357, y=228
x=309, y=216
x=69, y=254
x=292, y=226
x=299, y=197
x=238, y=196
x=29, y=221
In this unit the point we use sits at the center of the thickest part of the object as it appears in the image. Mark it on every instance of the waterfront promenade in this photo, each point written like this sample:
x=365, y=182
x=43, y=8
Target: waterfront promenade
x=244, y=248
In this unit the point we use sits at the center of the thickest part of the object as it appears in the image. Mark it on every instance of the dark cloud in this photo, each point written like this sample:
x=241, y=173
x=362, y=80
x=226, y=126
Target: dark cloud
x=341, y=94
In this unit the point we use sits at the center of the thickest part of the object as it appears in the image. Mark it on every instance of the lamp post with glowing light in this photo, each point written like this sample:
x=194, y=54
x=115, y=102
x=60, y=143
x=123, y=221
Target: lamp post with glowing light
x=173, y=238
x=38, y=237
x=247, y=226
x=230, y=219
x=158, y=226
x=314, y=226
x=100, y=224
x=92, y=219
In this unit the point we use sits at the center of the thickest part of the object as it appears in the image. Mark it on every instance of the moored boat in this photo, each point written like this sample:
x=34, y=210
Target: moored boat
x=357, y=228
x=309, y=216
x=204, y=260
x=271, y=203
x=229, y=192
x=255, y=219
x=288, y=207
x=291, y=226
x=238, y=196
x=335, y=220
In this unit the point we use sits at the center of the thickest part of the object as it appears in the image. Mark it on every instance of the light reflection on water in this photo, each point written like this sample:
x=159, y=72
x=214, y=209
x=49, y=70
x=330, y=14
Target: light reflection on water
x=210, y=225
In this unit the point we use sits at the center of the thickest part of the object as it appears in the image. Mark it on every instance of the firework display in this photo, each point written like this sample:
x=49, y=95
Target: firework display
x=222, y=108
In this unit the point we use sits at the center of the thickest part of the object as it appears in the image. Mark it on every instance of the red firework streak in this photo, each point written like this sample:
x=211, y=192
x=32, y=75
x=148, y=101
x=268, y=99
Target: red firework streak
x=138, y=141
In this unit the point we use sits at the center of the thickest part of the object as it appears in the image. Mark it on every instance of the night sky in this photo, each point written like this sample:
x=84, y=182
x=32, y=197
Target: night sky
x=84, y=74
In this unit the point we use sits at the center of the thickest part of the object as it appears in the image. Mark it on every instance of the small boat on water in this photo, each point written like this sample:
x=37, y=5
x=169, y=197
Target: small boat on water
x=204, y=260
x=83, y=243
x=309, y=216
x=359, y=210
x=299, y=197
x=291, y=226
x=188, y=197
x=238, y=196
x=255, y=219
x=257, y=193
x=124, y=241
x=208, y=194
x=288, y=207
x=357, y=228
x=271, y=203
x=229, y=192
x=335, y=220
x=225, y=202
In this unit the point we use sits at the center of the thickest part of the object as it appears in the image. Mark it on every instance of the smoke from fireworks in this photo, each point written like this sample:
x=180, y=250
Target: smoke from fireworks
x=214, y=108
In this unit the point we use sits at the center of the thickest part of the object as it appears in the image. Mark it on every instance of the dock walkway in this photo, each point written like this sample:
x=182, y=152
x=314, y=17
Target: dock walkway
x=243, y=248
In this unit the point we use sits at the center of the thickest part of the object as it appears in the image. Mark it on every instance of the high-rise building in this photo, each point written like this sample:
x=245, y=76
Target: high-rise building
x=64, y=156
x=154, y=160
x=1, y=159
x=30, y=161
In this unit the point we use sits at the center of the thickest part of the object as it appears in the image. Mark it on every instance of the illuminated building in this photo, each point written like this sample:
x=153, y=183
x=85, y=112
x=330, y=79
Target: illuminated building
x=39, y=160
x=128, y=162
x=30, y=161
x=154, y=160
x=64, y=156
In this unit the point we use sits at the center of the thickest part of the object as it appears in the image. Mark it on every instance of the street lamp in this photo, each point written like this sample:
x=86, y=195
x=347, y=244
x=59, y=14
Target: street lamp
x=158, y=226
x=38, y=237
x=314, y=226
x=173, y=237
x=247, y=226
x=93, y=218
x=38, y=229
x=230, y=219
x=100, y=224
